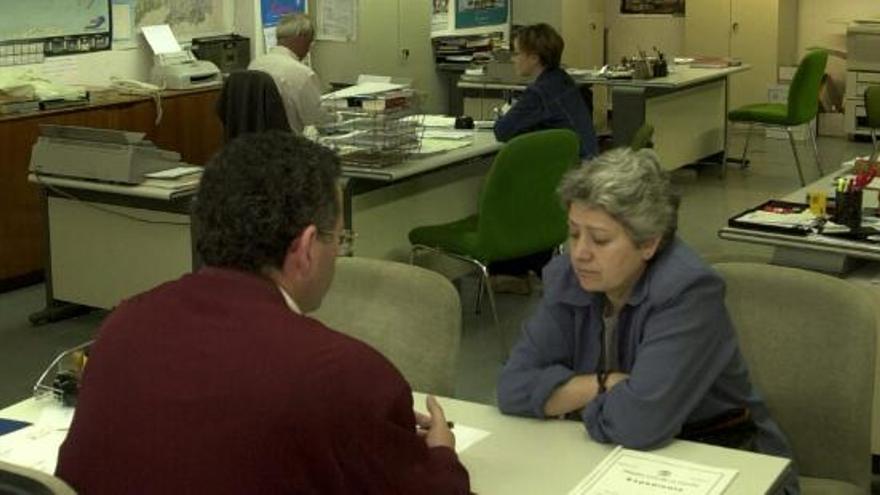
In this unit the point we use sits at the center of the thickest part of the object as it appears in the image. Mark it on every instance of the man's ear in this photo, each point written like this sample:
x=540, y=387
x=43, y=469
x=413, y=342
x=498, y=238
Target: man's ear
x=300, y=254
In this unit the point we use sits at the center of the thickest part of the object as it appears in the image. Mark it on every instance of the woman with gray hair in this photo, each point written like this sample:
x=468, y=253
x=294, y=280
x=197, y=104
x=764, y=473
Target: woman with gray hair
x=632, y=336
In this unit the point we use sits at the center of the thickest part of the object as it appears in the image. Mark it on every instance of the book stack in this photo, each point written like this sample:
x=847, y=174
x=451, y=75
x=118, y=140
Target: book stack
x=465, y=49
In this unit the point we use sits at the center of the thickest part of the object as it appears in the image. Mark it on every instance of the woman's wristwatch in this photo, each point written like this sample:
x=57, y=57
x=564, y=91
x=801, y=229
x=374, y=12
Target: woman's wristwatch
x=601, y=377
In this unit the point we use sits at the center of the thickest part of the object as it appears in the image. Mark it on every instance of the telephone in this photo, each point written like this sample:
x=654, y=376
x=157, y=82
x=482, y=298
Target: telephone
x=134, y=87
x=131, y=86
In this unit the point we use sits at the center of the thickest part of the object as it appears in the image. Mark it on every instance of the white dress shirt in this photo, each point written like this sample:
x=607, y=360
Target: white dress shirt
x=298, y=85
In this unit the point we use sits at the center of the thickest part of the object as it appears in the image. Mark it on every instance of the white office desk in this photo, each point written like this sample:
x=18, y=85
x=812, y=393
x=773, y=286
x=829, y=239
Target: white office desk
x=527, y=456
x=384, y=204
x=688, y=109
x=826, y=254
x=107, y=242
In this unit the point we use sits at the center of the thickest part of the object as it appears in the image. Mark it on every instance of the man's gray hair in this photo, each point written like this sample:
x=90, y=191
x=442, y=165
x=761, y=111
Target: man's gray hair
x=632, y=187
x=294, y=25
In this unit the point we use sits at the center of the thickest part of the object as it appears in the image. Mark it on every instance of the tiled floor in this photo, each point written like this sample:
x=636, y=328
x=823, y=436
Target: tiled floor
x=707, y=202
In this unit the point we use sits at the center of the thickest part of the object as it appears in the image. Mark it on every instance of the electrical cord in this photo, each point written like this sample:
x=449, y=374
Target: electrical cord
x=93, y=206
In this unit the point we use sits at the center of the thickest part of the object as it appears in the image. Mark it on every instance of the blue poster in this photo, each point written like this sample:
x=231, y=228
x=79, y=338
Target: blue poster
x=479, y=13
x=272, y=10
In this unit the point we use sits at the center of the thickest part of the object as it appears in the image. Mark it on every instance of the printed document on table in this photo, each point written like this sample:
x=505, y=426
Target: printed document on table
x=628, y=472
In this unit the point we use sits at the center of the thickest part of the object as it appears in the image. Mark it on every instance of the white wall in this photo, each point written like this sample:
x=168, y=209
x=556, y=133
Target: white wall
x=628, y=33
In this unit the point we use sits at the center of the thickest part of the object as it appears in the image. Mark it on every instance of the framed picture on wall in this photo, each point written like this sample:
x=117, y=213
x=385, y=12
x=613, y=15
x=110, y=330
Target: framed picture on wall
x=675, y=7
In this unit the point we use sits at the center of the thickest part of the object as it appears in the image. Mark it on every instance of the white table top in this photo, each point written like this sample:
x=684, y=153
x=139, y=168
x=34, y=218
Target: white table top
x=528, y=456
x=484, y=143
x=679, y=77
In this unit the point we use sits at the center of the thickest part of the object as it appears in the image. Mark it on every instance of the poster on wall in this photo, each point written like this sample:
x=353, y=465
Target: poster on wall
x=480, y=13
x=272, y=10
x=440, y=15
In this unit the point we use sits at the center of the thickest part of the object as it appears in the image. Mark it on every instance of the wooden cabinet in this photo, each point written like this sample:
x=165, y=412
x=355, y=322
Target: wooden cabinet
x=761, y=33
x=189, y=126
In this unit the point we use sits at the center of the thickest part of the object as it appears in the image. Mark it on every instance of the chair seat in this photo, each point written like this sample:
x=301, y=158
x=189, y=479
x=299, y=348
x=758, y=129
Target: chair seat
x=823, y=486
x=459, y=237
x=762, y=113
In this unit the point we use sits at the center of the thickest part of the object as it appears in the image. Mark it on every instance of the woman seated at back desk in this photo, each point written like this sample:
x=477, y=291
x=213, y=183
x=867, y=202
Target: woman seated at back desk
x=553, y=100
x=632, y=336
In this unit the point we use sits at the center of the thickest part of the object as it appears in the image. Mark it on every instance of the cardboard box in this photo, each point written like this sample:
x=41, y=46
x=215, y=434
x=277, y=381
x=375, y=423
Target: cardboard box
x=831, y=124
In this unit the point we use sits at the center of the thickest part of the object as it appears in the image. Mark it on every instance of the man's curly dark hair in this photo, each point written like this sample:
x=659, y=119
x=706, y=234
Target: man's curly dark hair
x=258, y=194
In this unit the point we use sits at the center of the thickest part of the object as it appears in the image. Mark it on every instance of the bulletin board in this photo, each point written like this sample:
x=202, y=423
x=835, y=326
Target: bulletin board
x=74, y=26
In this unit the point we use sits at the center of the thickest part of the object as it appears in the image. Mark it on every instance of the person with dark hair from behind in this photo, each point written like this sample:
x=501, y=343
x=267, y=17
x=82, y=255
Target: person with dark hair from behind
x=553, y=100
x=219, y=383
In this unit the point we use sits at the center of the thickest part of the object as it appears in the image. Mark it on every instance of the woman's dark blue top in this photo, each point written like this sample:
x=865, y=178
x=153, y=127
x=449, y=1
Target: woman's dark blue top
x=552, y=101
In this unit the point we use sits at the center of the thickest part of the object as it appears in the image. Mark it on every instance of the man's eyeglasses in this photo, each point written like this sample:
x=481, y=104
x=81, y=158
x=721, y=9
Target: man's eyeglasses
x=345, y=239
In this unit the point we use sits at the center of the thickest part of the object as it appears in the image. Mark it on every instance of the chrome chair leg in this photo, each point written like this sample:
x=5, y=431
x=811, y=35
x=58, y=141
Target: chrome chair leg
x=874, y=153
x=490, y=292
x=743, y=164
x=723, y=173
x=478, y=305
x=797, y=161
x=815, y=149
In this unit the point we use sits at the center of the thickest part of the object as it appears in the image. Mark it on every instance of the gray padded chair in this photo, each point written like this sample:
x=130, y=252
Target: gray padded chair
x=409, y=314
x=810, y=342
x=18, y=480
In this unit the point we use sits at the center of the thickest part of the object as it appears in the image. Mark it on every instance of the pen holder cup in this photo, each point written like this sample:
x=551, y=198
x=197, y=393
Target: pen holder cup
x=848, y=209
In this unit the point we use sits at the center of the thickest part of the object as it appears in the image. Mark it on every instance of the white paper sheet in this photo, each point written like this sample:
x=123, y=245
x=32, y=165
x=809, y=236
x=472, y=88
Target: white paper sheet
x=161, y=39
x=628, y=472
x=174, y=173
x=365, y=89
x=431, y=146
x=36, y=446
x=337, y=20
x=447, y=134
x=467, y=436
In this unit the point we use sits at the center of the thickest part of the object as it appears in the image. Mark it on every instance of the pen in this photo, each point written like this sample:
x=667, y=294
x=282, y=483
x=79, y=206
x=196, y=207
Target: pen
x=449, y=424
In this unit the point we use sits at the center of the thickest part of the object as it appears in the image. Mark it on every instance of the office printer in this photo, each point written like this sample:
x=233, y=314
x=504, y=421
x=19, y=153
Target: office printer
x=182, y=70
x=108, y=155
x=501, y=69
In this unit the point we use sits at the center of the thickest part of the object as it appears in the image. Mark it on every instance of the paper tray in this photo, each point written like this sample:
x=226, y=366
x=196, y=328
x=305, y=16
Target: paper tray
x=798, y=230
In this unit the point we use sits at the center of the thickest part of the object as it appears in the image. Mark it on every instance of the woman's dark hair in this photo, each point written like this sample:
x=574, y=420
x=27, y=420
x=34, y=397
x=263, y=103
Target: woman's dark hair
x=542, y=40
x=258, y=194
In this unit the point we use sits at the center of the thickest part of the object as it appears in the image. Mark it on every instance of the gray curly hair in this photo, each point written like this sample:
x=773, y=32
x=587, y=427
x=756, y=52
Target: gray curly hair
x=632, y=187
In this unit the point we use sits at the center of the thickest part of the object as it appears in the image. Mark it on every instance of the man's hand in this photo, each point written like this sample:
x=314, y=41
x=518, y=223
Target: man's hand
x=433, y=426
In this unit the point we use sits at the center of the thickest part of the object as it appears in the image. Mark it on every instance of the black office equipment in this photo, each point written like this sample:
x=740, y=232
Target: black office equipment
x=229, y=52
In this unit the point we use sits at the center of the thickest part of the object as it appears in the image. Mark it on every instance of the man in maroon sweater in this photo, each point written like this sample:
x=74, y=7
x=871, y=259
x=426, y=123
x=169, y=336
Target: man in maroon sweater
x=217, y=383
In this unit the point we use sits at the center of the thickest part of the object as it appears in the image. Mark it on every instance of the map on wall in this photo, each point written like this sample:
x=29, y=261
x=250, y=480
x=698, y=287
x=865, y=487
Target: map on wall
x=186, y=17
x=63, y=27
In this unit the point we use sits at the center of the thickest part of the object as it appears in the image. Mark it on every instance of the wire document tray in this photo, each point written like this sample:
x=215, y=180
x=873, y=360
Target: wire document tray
x=375, y=132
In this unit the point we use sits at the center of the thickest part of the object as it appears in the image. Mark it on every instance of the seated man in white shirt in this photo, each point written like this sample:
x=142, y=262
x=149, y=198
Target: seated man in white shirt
x=297, y=82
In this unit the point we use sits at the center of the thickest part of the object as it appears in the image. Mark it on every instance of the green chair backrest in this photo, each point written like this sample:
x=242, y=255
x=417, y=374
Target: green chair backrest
x=519, y=211
x=642, y=137
x=872, y=106
x=803, y=95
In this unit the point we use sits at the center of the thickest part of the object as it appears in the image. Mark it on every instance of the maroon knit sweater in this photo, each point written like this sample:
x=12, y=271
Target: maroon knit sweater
x=210, y=384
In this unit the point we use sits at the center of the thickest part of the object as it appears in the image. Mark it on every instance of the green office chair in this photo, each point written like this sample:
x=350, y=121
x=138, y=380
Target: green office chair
x=642, y=137
x=872, y=111
x=518, y=212
x=802, y=107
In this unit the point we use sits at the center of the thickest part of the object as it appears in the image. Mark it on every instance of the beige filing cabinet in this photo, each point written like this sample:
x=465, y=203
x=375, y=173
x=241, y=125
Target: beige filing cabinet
x=762, y=33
